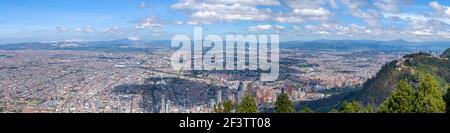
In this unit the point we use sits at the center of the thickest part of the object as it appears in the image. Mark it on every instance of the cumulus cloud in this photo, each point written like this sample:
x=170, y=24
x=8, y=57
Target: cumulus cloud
x=381, y=18
x=143, y=4
x=441, y=10
x=247, y=2
x=429, y=28
x=312, y=12
x=333, y=4
x=392, y=6
x=86, y=29
x=134, y=38
x=266, y=27
x=178, y=22
x=61, y=29
x=388, y=5
x=209, y=11
x=150, y=22
x=114, y=29
x=305, y=10
x=338, y=29
x=354, y=4
x=370, y=16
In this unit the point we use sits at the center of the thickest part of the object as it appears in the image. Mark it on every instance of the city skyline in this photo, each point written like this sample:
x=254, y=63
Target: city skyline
x=83, y=20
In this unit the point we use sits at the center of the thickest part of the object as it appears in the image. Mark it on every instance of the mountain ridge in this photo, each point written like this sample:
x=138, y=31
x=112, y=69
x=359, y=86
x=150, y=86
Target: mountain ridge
x=397, y=45
x=375, y=90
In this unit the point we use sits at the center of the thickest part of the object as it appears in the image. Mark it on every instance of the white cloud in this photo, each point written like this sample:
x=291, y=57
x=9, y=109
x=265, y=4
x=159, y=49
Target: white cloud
x=143, y=4
x=266, y=27
x=289, y=19
x=429, y=28
x=178, y=22
x=247, y=2
x=441, y=10
x=305, y=10
x=75, y=40
x=156, y=34
x=349, y=31
x=133, y=38
x=424, y=27
x=61, y=29
x=370, y=16
x=86, y=29
x=329, y=28
x=209, y=11
x=192, y=23
x=333, y=4
x=388, y=5
x=405, y=16
x=312, y=12
x=114, y=29
x=354, y=4
x=392, y=6
x=150, y=22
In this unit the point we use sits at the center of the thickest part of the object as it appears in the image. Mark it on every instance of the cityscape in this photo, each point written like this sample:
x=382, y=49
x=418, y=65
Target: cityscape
x=85, y=81
x=115, y=56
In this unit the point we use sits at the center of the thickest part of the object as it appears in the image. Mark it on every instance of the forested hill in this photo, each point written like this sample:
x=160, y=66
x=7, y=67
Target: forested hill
x=377, y=89
x=446, y=53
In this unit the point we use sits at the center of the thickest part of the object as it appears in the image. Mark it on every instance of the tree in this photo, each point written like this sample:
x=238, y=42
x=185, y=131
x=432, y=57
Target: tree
x=369, y=108
x=218, y=109
x=228, y=106
x=447, y=98
x=400, y=101
x=248, y=105
x=352, y=107
x=284, y=104
x=333, y=110
x=429, y=96
x=307, y=110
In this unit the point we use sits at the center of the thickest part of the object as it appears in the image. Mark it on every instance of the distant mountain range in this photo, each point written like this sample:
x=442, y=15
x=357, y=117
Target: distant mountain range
x=121, y=44
x=127, y=44
x=367, y=44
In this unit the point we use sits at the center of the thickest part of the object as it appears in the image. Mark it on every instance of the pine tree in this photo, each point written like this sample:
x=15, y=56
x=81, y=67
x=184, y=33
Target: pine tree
x=369, y=108
x=429, y=96
x=333, y=110
x=352, y=107
x=228, y=106
x=400, y=101
x=307, y=110
x=248, y=105
x=284, y=104
x=218, y=109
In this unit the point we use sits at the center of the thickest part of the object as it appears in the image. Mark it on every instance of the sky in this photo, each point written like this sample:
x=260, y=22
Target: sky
x=96, y=20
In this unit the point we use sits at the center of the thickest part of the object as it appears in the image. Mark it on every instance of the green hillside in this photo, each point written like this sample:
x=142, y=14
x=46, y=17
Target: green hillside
x=446, y=54
x=377, y=89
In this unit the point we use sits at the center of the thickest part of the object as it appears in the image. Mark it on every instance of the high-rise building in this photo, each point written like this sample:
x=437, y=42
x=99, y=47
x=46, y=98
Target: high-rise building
x=212, y=103
x=163, y=104
x=240, y=92
x=219, y=96
x=166, y=108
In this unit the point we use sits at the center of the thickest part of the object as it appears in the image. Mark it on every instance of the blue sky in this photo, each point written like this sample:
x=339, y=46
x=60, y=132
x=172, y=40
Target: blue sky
x=91, y=20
